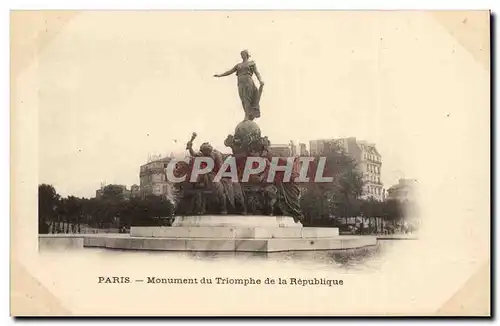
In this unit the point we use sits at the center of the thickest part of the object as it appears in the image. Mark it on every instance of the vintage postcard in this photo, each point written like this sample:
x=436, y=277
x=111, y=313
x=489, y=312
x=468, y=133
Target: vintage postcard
x=250, y=163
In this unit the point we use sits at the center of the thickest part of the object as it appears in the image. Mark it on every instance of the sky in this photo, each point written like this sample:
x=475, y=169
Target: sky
x=115, y=87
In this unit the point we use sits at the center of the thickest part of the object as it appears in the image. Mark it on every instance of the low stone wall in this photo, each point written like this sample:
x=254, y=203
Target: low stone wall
x=126, y=242
x=397, y=237
x=60, y=241
x=230, y=245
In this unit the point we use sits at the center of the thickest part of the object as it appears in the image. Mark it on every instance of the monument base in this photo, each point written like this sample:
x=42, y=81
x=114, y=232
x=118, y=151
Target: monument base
x=229, y=245
x=236, y=221
x=227, y=232
x=232, y=234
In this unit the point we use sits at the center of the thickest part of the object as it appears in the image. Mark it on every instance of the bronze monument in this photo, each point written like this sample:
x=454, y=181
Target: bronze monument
x=248, y=92
x=255, y=196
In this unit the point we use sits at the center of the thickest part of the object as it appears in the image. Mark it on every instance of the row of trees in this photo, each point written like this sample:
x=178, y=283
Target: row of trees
x=317, y=208
x=111, y=210
x=341, y=198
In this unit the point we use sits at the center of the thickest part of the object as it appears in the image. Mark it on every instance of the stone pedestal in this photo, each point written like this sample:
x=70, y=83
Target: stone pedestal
x=232, y=233
x=244, y=221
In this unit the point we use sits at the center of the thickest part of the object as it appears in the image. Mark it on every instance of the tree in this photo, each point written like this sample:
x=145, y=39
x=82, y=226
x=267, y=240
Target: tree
x=90, y=210
x=372, y=208
x=71, y=210
x=105, y=210
x=393, y=210
x=113, y=192
x=339, y=197
x=48, y=201
x=148, y=211
x=315, y=204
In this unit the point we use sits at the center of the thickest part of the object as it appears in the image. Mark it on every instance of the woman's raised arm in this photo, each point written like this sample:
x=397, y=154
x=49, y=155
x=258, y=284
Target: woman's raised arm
x=227, y=73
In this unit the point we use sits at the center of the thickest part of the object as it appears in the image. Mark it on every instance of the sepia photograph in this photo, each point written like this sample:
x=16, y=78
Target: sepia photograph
x=250, y=163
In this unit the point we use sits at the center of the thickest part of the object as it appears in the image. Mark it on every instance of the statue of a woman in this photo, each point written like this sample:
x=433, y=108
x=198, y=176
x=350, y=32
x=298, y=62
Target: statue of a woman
x=249, y=94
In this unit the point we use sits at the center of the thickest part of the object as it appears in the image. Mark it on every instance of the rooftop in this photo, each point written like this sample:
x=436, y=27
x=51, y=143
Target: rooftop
x=402, y=183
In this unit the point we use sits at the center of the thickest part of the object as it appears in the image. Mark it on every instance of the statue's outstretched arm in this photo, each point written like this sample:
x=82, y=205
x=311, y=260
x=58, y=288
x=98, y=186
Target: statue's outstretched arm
x=227, y=73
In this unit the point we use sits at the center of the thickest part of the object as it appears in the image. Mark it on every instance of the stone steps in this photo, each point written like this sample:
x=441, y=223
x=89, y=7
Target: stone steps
x=229, y=245
x=225, y=232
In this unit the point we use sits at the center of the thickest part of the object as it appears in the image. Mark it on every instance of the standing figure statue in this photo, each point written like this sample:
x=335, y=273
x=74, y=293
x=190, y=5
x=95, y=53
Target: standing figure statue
x=249, y=94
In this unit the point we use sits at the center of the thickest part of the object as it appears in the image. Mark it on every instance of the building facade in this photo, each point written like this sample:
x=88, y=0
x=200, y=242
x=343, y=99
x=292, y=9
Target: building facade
x=153, y=180
x=368, y=161
x=280, y=150
x=404, y=191
x=317, y=147
x=303, y=150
